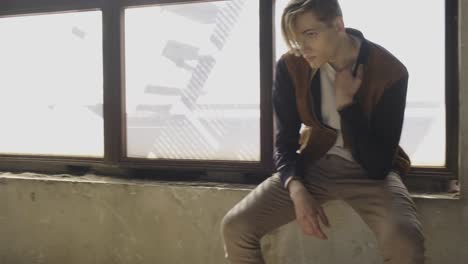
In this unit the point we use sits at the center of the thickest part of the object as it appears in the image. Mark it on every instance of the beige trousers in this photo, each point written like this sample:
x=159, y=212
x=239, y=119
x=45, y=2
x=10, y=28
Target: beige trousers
x=384, y=205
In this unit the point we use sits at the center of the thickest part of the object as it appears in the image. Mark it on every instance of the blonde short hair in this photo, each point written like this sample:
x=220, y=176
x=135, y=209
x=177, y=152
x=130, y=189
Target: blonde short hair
x=325, y=10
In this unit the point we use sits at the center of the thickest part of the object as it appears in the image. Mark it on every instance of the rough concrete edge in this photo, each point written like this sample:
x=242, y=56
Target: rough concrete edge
x=96, y=179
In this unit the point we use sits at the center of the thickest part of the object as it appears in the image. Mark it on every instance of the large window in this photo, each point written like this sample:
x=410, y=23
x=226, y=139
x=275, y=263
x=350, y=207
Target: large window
x=51, y=86
x=420, y=45
x=163, y=84
x=192, y=81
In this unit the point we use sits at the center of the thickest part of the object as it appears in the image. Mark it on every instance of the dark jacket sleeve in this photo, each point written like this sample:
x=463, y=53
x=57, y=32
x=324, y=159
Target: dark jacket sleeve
x=375, y=140
x=287, y=124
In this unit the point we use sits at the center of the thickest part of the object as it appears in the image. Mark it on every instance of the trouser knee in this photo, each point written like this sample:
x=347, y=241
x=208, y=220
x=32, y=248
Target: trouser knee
x=405, y=242
x=234, y=227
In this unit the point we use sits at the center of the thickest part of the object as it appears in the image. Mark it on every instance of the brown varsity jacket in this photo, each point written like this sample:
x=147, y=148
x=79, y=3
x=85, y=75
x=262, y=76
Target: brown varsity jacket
x=371, y=126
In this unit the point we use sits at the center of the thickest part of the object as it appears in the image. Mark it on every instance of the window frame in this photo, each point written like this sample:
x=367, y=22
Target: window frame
x=114, y=96
x=450, y=171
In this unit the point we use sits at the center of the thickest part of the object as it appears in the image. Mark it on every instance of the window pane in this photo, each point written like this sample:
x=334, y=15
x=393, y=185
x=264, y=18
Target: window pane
x=51, y=84
x=193, y=81
x=423, y=135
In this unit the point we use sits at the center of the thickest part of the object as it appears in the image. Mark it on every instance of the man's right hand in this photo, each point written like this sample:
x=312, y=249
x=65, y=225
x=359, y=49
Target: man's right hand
x=308, y=210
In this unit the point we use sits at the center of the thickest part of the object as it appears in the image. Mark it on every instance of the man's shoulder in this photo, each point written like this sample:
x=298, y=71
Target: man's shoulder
x=384, y=63
x=296, y=66
x=376, y=55
x=293, y=60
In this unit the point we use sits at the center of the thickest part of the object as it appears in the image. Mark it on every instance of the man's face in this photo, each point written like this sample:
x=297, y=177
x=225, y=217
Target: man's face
x=317, y=40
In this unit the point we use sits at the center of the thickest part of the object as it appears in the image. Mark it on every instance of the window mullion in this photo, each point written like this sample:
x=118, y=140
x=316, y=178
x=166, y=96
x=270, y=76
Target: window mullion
x=113, y=81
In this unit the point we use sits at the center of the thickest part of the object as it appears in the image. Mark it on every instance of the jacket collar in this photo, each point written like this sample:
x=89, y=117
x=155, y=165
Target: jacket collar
x=363, y=54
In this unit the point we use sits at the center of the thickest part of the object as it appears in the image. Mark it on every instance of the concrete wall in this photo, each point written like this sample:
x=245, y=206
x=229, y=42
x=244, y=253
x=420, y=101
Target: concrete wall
x=104, y=220
x=46, y=219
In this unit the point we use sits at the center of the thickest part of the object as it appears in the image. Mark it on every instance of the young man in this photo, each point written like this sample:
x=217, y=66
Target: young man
x=339, y=102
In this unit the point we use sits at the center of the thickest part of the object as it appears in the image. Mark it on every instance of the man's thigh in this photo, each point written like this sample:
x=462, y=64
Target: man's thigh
x=269, y=206
x=388, y=209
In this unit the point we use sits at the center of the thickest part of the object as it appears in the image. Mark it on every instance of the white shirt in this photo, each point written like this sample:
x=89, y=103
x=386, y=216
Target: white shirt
x=330, y=115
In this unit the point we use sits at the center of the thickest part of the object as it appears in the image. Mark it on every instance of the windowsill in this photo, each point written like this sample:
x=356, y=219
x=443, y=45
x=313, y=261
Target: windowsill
x=436, y=196
x=92, y=178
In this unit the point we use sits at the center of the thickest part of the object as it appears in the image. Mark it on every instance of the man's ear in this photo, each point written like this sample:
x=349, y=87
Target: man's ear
x=338, y=24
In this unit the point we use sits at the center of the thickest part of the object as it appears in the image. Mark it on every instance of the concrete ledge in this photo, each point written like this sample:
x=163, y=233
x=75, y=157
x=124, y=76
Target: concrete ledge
x=99, y=219
x=93, y=178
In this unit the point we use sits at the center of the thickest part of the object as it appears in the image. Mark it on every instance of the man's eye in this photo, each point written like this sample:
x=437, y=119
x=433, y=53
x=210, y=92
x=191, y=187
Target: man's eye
x=311, y=34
